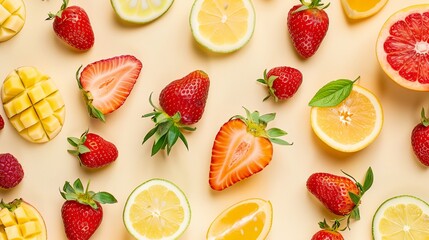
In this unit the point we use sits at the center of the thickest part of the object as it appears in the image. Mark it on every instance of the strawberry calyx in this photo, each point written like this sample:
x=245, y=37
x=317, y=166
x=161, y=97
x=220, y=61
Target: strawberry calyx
x=11, y=206
x=84, y=196
x=424, y=120
x=334, y=227
x=78, y=144
x=257, y=124
x=313, y=4
x=93, y=111
x=269, y=82
x=58, y=14
x=167, y=130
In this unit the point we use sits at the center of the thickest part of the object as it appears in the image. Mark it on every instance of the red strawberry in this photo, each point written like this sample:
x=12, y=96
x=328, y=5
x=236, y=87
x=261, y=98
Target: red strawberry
x=182, y=104
x=242, y=147
x=341, y=195
x=307, y=24
x=1, y=123
x=106, y=84
x=92, y=150
x=282, y=82
x=82, y=212
x=420, y=139
x=327, y=235
x=72, y=25
x=11, y=172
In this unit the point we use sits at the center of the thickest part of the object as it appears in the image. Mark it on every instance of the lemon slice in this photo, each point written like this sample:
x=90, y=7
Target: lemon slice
x=140, y=11
x=12, y=18
x=402, y=217
x=352, y=125
x=157, y=209
x=222, y=26
x=357, y=9
x=249, y=219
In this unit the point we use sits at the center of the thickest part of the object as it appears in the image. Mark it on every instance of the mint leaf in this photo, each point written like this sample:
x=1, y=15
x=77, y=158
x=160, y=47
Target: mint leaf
x=333, y=93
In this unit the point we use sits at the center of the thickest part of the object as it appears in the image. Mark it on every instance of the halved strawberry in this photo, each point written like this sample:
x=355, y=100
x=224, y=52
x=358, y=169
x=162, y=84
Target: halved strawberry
x=242, y=147
x=106, y=83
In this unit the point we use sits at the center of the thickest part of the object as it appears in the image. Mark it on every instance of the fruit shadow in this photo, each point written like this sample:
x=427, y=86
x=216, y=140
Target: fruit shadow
x=333, y=153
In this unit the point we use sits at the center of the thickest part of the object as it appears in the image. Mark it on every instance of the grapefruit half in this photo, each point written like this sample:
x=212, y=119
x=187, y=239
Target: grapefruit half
x=403, y=47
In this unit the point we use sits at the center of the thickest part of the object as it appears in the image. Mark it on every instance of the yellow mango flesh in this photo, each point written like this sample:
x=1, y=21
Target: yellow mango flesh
x=12, y=18
x=33, y=104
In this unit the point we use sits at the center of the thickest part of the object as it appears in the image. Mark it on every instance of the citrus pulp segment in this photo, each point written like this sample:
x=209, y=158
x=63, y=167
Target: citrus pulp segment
x=351, y=125
x=402, y=217
x=357, y=9
x=249, y=219
x=157, y=209
x=12, y=18
x=222, y=25
x=140, y=11
x=403, y=47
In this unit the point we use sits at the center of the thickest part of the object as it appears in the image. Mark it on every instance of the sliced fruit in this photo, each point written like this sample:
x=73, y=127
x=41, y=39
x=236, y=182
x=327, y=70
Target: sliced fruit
x=222, y=26
x=351, y=125
x=106, y=84
x=157, y=209
x=357, y=9
x=33, y=104
x=402, y=217
x=12, y=18
x=140, y=11
x=249, y=219
x=20, y=220
x=403, y=47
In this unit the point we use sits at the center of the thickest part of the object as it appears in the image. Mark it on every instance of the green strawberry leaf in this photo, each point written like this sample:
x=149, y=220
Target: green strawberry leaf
x=104, y=198
x=78, y=187
x=355, y=214
x=369, y=179
x=333, y=93
x=266, y=118
x=276, y=132
x=355, y=198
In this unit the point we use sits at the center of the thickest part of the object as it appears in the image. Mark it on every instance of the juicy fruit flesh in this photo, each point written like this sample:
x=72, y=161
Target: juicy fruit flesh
x=352, y=125
x=362, y=6
x=403, y=217
x=24, y=223
x=247, y=220
x=12, y=18
x=157, y=212
x=141, y=11
x=223, y=22
x=33, y=104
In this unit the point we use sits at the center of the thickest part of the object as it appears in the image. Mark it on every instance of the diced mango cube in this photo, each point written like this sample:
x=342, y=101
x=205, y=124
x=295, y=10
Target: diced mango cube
x=30, y=212
x=51, y=123
x=29, y=76
x=13, y=23
x=48, y=87
x=43, y=109
x=30, y=228
x=9, y=109
x=36, y=132
x=20, y=215
x=36, y=93
x=2, y=234
x=13, y=233
x=55, y=100
x=21, y=103
x=4, y=14
x=7, y=218
x=60, y=114
x=28, y=118
x=11, y=5
x=12, y=86
x=16, y=123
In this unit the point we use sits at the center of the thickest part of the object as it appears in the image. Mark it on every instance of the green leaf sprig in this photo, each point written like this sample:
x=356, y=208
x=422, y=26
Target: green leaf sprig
x=333, y=93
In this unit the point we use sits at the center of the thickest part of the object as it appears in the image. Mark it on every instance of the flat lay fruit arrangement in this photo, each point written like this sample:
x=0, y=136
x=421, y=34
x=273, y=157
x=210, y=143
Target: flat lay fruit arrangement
x=214, y=119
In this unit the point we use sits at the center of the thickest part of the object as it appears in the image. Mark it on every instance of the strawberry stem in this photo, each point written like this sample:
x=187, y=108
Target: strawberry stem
x=58, y=14
x=424, y=120
x=313, y=4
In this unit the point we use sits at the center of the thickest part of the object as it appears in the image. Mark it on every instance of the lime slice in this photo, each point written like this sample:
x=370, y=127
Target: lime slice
x=402, y=217
x=157, y=209
x=222, y=26
x=140, y=11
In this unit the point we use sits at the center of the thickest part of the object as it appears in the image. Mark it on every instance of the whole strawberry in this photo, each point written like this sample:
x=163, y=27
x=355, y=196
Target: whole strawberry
x=72, y=25
x=282, y=82
x=11, y=172
x=341, y=195
x=328, y=232
x=307, y=24
x=82, y=212
x=420, y=139
x=182, y=104
x=92, y=150
x=1, y=123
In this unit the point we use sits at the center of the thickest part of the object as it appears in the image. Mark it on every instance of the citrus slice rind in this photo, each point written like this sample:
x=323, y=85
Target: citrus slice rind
x=222, y=26
x=402, y=217
x=357, y=9
x=249, y=219
x=140, y=11
x=157, y=209
x=402, y=47
x=352, y=125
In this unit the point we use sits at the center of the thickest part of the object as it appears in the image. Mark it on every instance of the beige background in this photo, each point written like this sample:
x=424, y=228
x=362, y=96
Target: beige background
x=168, y=52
